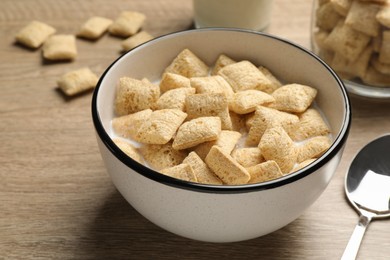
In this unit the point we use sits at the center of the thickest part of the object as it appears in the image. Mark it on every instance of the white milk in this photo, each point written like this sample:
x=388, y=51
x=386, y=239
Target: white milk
x=246, y=14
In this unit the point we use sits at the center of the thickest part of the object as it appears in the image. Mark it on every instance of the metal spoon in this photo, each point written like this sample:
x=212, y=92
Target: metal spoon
x=367, y=186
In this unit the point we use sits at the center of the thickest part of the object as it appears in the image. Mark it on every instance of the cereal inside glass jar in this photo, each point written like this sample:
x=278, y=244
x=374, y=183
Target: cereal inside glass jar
x=353, y=37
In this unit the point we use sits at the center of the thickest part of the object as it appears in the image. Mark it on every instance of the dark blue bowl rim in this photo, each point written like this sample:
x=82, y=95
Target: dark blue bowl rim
x=337, y=145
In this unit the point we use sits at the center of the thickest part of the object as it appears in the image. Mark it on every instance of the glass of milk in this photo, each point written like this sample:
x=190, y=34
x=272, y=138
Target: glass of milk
x=245, y=14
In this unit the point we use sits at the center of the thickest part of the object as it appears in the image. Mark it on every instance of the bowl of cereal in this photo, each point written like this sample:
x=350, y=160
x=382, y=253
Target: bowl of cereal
x=220, y=135
x=353, y=37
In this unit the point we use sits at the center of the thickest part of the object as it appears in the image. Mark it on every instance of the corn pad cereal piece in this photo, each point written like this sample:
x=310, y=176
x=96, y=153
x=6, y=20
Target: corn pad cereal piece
x=265, y=171
x=341, y=6
x=160, y=127
x=356, y=68
x=162, y=156
x=327, y=17
x=134, y=95
x=60, y=47
x=313, y=148
x=248, y=156
x=172, y=81
x=302, y=165
x=77, y=81
x=246, y=101
x=128, y=149
x=362, y=18
x=197, y=131
x=174, y=98
x=270, y=76
x=135, y=40
x=319, y=38
x=127, y=126
x=226, y=168
x=199, y=105
x=381, y=67
x=212, y=84
x=375, y=78
x=295, y=98
x=384, y=52
x=182, y=171
x=202, y=171
x=188, y=65
x=221, y=62
x=238, y=121
x=127, y=24
x=34, y=34
x=310, y=124
x=244, y=75
x=346, y=41
x=94, y=27
x=383, y=16
x=276, y=144
x=267, y=118
x=227, y=140
x=250, y=118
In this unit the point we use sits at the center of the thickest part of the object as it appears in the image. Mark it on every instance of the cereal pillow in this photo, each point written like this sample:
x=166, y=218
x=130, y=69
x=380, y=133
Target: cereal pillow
x=34, y=34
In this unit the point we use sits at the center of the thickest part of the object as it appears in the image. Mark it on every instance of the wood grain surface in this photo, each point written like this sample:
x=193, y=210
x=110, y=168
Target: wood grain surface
x=56, y=198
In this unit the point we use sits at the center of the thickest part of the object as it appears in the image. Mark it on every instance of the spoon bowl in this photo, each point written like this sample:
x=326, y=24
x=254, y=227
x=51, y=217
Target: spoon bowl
x=367, y=187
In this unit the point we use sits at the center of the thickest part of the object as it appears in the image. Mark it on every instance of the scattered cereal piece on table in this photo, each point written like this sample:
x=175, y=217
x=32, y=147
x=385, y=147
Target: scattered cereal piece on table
x=77, y=81
x=34, y=34
x=94, y=27
x=60, y=47
x=127, y=24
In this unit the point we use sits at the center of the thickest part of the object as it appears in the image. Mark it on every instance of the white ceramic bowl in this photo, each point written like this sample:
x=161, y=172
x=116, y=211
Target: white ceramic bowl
x=222, y=213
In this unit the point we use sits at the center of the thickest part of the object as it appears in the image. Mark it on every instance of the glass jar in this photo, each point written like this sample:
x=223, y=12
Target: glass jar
x=353, y=38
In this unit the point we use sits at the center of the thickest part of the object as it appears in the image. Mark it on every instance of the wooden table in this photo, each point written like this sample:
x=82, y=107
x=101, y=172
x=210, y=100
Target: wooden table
x=56, y=198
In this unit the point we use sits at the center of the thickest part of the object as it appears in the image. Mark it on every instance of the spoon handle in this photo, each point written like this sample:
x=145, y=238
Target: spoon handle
x=352, y=248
